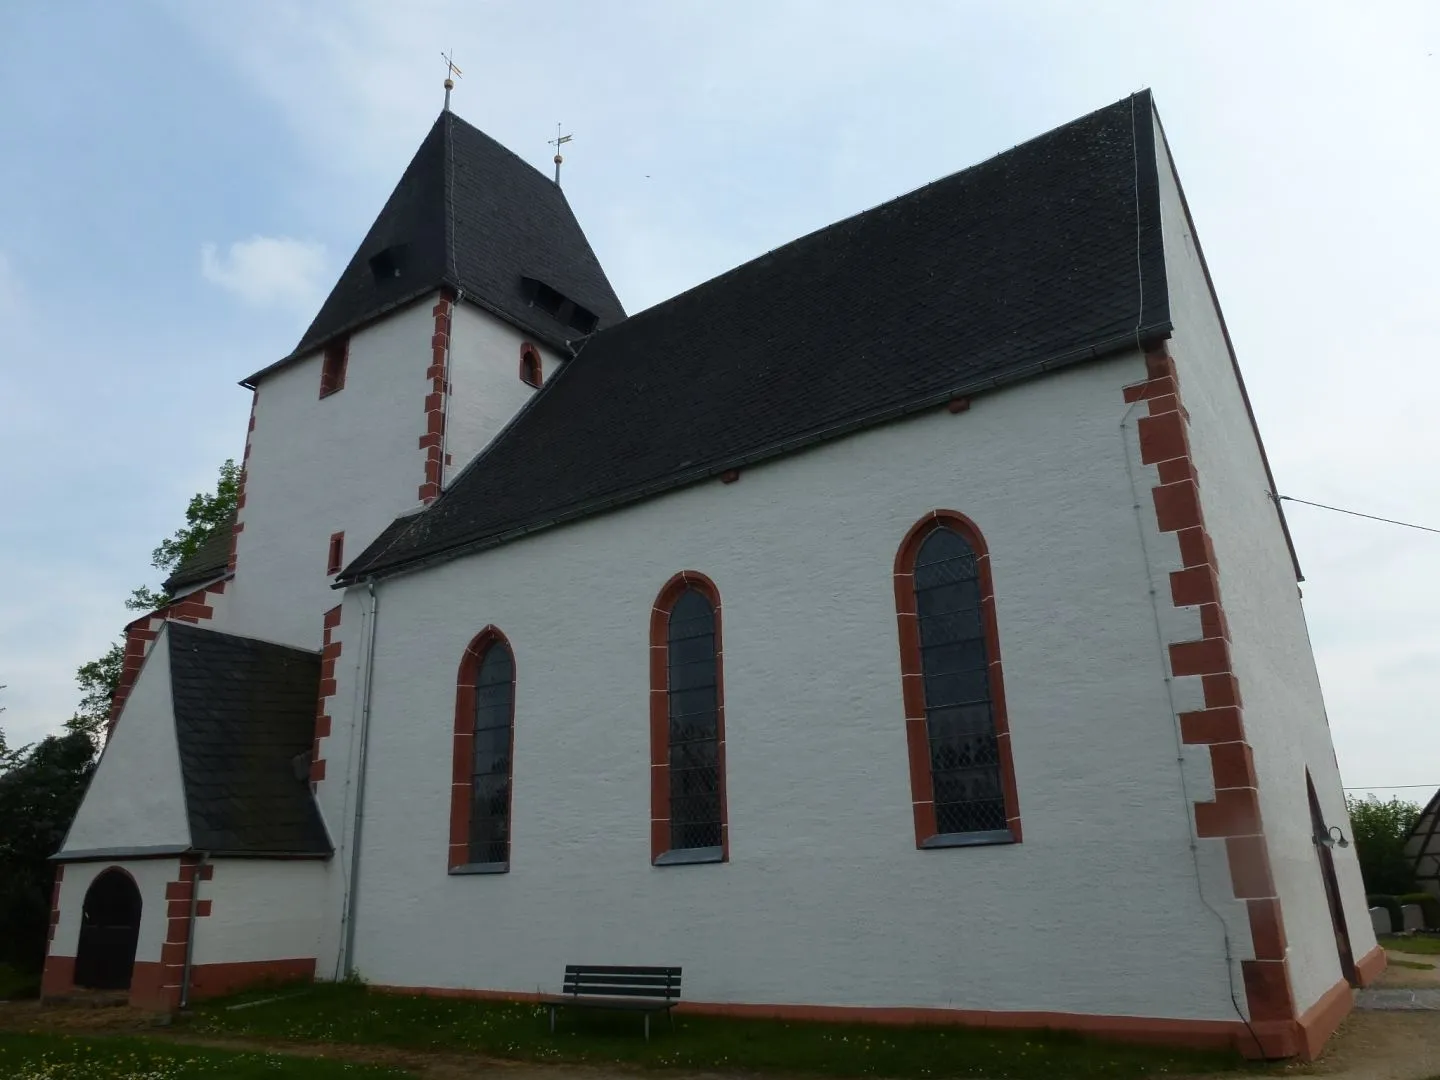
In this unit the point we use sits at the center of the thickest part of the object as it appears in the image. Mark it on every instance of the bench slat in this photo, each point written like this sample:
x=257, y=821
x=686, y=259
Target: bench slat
x=594, y=969
x=624, y=980
x=619, y=1004
x=623, y=991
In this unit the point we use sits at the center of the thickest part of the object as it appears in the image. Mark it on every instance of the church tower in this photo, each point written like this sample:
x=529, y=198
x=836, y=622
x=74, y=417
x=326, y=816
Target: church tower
x=473, y=287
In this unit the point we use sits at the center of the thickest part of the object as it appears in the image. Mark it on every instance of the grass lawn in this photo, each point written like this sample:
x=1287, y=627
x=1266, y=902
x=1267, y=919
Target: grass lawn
x=1415, y=964
x=351, y=1014
x=61, y=1057
x=16, y=984
x=1425, y=944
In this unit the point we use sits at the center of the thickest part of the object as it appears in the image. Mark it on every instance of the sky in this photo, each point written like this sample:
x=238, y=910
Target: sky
x=180, y=184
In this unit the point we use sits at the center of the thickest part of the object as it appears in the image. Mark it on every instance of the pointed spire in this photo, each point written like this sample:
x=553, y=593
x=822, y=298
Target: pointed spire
x=451, y=73
x=468, y=214
x=557, y=142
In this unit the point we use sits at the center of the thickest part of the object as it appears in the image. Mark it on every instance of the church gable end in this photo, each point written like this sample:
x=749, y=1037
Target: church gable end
x=136, y=799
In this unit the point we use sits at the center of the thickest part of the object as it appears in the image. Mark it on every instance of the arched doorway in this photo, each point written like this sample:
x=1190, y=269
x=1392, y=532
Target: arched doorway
x=1332, y=885
x=109, y=929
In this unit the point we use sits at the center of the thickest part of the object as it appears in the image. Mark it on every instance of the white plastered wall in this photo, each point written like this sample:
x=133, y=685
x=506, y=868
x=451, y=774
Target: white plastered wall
x=485, y=386
x=826, y=899
x=347, y=462
x=1285, y=719
x=151, y=876
x=137, y=796
x=262, y=909
x=351, y=463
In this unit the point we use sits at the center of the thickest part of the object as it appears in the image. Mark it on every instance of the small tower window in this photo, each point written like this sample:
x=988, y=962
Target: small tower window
x=336, y=559
x=387, y=265
x=531, y=373
x=557, y=304
x=332, y=369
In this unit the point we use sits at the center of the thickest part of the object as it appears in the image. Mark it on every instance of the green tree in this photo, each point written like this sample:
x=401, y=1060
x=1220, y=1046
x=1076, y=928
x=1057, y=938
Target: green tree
x=98, y=681
x=1380, y=831
x=40, y=790
x=205, y=514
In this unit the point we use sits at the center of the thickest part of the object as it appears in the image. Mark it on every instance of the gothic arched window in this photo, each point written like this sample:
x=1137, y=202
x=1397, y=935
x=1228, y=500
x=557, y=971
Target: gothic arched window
x=483, y=769
x=962, y=777
x=687, y=724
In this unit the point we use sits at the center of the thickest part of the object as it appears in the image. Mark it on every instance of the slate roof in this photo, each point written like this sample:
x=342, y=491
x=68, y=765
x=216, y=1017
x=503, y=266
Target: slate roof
x=211, y=559
x=244, y=714
x=471, y=215
x=1028, y=261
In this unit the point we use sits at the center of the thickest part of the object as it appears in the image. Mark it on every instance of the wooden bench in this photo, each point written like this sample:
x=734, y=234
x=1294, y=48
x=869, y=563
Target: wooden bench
x=631, y=989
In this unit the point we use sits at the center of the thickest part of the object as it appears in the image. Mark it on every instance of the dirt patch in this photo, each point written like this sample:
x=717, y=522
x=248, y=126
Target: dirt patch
x=79, y=1018
x=1384, y=1046
x=1408, y=977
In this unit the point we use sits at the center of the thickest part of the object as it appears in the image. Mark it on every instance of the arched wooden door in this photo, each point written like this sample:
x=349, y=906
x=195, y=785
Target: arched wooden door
x=1332, y=885
x=109, y=929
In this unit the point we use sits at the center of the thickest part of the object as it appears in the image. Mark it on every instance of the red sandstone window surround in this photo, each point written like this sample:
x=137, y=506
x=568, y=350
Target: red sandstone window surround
x=483, y=771
x=332, y=368
x=335, y=560
x=531, y=371
x=688, y=819
x=962, y=773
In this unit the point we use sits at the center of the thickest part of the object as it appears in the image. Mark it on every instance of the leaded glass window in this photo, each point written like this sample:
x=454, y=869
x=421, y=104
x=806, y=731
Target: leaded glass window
x=959, y=719
x=694, y=731
x=490, y=772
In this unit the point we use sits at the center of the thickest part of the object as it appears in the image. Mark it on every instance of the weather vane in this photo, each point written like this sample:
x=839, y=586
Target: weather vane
x=557, y=142
x=451, y=74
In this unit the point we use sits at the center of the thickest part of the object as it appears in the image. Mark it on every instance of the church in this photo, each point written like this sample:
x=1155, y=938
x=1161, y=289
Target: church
x=898, y=627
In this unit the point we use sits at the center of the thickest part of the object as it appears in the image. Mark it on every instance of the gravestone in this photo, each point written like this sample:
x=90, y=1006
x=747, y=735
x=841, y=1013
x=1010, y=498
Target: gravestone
x=1414, y=916
x=1380, y=920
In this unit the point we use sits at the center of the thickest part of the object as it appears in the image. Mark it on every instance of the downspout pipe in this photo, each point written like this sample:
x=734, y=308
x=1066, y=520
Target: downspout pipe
x=190, y=930
x=348, y=967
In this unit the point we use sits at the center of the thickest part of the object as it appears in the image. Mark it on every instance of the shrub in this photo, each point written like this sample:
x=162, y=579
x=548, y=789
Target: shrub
x=1428, y=904
x=1390, y=903
x=1379, y=831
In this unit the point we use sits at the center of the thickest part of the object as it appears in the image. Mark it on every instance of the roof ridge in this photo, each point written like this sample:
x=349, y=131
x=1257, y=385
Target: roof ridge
x=185, y=627
x=501, y=146
x=447, y=193
x=788, y=246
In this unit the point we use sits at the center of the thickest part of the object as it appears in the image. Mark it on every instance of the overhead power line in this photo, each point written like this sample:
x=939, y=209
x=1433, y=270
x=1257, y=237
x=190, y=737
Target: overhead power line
x=1354, y=513
x=1391, y=787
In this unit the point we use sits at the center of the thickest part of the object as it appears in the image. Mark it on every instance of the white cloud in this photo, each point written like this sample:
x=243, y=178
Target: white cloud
x=269, y=271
